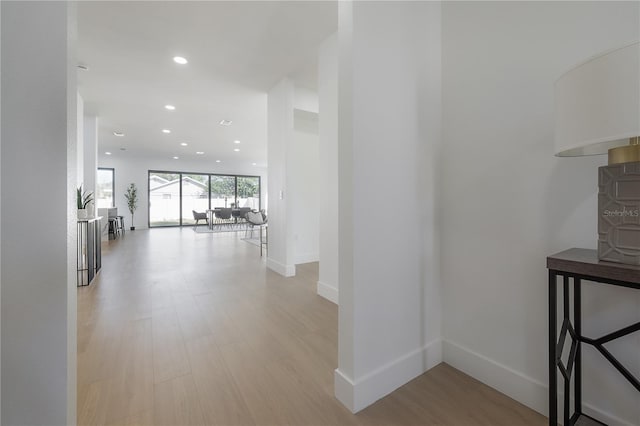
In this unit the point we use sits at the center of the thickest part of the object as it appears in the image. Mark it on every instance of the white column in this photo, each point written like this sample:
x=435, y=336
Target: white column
x=0, y=219
x=390, y=107
x=328, y=155
x=38, y=220
x=280, y=135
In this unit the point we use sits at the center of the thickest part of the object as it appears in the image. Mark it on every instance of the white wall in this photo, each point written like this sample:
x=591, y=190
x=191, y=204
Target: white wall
x=507, y=202
x=305, y=99
x=328, y=158
x=80, y=144
x=90, y=153
x=280, y=102
x=389, y=127
x=71, y=307
x=292, y=152
x=304, y=172
x=0, y=220
x=132, y=169
x=38, y=242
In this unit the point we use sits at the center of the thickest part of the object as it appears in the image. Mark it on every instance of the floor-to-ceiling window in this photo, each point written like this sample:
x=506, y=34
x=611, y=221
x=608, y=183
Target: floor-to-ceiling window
x=248, y=192
x=195, y=196
x=223, y=191
x=105, y=188
x=174, y=196
x=164, y=198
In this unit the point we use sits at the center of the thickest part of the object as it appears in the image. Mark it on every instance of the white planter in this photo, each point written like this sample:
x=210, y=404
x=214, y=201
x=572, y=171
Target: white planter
x=82, y=213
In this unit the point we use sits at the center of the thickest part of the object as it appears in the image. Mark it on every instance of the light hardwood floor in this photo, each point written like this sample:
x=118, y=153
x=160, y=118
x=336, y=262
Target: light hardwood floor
x=190, y=329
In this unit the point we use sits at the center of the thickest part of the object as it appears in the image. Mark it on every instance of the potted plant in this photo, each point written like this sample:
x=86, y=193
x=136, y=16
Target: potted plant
x=132, y=201
x=83, y=199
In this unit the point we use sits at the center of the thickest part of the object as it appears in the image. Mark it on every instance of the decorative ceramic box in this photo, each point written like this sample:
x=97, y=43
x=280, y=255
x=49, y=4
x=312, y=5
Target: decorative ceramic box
x=619, y=213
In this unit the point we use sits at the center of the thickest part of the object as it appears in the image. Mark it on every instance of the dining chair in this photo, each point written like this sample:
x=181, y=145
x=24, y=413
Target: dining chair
x=255, y=218
x=223, y=215
x=200, y=216
x=243, y=213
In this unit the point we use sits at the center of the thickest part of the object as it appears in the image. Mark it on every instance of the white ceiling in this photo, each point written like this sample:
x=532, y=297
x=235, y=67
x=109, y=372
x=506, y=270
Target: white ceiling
x=236, y=50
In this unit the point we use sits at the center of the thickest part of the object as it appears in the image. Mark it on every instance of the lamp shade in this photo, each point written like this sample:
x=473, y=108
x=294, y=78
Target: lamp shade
x=597, y=103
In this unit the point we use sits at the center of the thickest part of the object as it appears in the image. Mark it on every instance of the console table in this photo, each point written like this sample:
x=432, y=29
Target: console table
x=89, y=252
x=577, y=265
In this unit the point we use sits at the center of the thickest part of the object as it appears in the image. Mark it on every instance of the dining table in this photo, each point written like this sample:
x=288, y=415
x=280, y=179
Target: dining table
x=235, y=214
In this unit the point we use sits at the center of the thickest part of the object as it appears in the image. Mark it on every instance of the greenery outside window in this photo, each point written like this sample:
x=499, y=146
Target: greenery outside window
x=173, y=196
x=105, y=188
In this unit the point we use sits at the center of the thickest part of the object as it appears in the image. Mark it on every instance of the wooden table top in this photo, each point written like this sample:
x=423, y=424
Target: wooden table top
x=585, y=262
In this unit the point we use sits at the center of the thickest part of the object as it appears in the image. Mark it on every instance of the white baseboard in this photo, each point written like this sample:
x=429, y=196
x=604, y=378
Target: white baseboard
x=306, y=258
x=599, y=414
x=359, y=394
x=343, y=389
x=328, y=292
x=514, y=384
x=284, y=270
x=523, y=389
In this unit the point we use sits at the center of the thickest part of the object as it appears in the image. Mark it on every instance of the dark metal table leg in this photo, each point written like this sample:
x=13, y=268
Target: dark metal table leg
x=567, y=380
x=577, y=325
x=553, y=381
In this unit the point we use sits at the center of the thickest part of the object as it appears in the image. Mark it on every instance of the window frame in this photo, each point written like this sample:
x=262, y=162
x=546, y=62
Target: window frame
x=113, y=186
x=180, y=173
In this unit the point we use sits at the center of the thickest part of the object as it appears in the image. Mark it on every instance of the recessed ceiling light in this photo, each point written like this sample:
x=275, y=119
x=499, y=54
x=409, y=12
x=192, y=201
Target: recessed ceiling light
x=166, y=131
x=199, y=152
x=236, y=149
x=180, y=60
x=83, y=67
x=217, y=161
x=118, y=134
x=169, y=107
x=254, y=164
x=175, y=158
x=107, y=153
x=236, y=141
x=123, y=149
x=184, y=143
x=226, y=122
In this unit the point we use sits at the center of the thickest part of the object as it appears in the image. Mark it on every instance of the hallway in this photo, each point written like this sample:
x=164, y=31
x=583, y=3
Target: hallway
x=186, y=328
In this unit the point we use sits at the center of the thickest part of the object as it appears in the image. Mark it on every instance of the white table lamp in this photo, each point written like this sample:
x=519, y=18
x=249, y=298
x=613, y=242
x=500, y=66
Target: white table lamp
x=598, y=112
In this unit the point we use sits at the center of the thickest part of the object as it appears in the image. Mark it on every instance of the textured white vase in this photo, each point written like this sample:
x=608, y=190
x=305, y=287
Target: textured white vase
x=82, y=213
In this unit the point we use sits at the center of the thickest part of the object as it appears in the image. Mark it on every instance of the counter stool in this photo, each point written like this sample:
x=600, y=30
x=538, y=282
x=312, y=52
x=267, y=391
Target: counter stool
x=120, y=224
x=113, y=227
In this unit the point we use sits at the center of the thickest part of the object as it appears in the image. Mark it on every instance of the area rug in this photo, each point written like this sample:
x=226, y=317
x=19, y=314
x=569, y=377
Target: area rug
x=204, y=229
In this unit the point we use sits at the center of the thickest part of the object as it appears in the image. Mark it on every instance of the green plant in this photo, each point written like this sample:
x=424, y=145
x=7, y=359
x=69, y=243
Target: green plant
x=132, y=200
x=83, y=198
